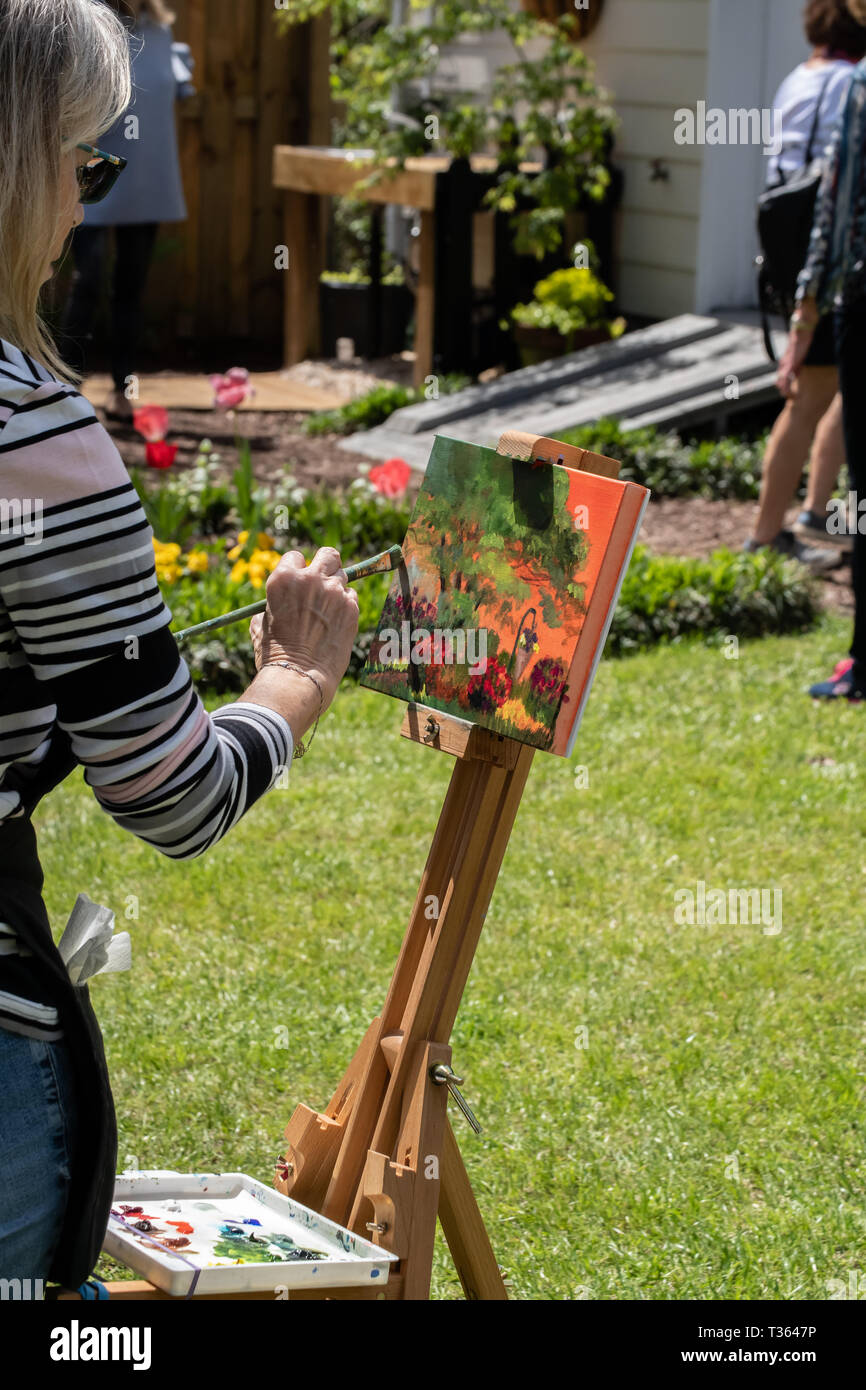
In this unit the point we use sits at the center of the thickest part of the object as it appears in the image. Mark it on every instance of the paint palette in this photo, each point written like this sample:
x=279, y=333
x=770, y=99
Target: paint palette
x=235, y=1233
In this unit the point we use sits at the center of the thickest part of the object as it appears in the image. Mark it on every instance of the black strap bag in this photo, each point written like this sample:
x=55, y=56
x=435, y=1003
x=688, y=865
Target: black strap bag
x=785, y=216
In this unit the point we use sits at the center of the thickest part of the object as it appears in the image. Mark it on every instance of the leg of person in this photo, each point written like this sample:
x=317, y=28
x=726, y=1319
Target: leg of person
x=135, y=246
x=849, y=678
x=788, y=448
x=828, y=457
x=90, y=255
x=38, y=1115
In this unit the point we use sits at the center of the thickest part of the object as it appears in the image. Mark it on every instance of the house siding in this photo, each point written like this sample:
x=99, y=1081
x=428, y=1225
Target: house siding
x=652, y=56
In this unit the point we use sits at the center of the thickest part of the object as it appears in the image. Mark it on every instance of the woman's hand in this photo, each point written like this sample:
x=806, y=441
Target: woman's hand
x=803, y=325
x=311, y=618
x=792, y=360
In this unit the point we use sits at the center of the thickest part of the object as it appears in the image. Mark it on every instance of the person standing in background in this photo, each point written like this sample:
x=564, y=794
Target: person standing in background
x=810, y=100
x=151, y=193
x=833, y=280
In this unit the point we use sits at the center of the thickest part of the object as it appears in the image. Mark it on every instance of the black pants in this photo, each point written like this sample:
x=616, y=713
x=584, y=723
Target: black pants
x=90, y=250
x=850, y=326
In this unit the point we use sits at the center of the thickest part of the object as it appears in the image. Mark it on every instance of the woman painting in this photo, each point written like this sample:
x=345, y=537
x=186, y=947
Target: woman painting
x=89, y=671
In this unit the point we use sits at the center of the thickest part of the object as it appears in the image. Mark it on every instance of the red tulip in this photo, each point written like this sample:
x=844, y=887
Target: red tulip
x=391, y=478
x=151, y=421
x=158, y=454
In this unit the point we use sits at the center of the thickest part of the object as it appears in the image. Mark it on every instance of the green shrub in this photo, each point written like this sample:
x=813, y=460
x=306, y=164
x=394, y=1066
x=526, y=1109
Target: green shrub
x=357, y=522
x=719, y=468
x=374, y=407
x=665, y=598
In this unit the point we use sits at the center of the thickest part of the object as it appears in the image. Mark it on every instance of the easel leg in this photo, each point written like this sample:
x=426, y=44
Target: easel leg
x=463, y=1227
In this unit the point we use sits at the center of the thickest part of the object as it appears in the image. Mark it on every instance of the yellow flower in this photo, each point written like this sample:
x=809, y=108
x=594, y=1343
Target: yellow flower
x=168, y=574
x=235, y=551
x=239, y=572
x=268, y=559
x=197, y=561
x=265, y=541
x=258, y=575
x=165, y=551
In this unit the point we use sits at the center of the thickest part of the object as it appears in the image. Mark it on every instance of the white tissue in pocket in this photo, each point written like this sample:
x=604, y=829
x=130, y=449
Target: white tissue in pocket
x=88, y=945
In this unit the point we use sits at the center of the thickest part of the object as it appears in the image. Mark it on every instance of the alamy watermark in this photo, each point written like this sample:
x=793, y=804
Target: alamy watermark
x=21, y=516
x=24, y=1290
x=737, y=126
x=439, y=647
x=715, y=907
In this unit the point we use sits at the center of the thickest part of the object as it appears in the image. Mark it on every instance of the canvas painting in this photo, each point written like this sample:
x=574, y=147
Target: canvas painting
x=510, y=579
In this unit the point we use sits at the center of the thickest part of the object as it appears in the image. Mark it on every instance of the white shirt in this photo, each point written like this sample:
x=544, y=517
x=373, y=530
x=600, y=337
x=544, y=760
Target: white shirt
x=795, y=100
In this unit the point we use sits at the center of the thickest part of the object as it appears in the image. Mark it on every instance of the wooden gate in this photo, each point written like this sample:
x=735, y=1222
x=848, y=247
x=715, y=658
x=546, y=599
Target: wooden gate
x=214, y=285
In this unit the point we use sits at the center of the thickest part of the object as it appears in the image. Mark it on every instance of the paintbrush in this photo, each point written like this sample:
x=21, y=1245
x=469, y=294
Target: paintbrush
x=377, y=564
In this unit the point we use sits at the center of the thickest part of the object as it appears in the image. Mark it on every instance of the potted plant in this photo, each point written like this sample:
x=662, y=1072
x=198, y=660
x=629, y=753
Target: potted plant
x=346, y=309
x=387, y=77
x=568, y=311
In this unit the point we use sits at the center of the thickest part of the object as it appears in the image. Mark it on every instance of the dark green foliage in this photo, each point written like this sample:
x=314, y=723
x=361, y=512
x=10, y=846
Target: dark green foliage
x=665, y=598
x=660, y=460
x=375, y=406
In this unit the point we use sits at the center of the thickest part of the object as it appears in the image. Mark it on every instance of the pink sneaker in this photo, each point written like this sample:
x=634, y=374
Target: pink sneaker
x=841, y=685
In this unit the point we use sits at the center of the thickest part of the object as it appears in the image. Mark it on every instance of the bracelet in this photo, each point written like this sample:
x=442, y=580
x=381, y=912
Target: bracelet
x=800, y=325
x=301, y=748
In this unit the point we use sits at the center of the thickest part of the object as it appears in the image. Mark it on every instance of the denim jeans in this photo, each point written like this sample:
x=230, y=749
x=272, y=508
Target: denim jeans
x=37, y=1136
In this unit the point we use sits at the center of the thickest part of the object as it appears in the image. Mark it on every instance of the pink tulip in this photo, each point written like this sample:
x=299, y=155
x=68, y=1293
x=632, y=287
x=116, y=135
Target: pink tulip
x=151, y=421
x=232, y=389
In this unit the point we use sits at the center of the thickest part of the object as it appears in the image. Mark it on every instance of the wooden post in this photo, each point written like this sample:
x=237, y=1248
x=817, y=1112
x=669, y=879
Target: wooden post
x=425, y=299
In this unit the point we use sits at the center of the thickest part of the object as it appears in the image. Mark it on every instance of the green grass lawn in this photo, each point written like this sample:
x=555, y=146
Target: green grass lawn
x=708, y=1140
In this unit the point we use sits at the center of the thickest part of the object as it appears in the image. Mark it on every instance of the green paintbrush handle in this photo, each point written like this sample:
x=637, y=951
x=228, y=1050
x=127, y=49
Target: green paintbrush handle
x=377, y=564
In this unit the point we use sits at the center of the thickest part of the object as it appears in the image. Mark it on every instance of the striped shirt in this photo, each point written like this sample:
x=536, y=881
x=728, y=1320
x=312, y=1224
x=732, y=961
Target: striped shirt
x=85, y=645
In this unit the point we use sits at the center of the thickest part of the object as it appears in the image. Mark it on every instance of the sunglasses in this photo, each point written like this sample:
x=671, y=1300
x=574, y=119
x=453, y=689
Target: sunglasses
x=99, y=175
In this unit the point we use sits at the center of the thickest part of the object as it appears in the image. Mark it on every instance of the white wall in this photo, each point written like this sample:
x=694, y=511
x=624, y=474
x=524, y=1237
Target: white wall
x=652, y=54
x=752, y=46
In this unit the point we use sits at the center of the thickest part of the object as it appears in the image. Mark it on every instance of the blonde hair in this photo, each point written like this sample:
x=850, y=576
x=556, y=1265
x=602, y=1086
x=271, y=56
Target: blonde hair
x=857, y=10
x=64, y=79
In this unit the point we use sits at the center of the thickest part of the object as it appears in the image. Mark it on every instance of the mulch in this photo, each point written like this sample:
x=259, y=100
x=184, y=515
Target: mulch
x=277, y=441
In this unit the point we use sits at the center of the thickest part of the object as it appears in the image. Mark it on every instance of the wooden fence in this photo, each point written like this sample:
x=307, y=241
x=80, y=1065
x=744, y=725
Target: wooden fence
x=213, y=285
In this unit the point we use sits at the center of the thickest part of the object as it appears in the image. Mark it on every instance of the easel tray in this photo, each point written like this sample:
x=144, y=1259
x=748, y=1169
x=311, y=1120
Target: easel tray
x=239, y=1234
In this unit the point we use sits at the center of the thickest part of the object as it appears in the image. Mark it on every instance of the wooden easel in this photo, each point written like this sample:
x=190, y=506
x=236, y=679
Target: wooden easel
x=381, y=1159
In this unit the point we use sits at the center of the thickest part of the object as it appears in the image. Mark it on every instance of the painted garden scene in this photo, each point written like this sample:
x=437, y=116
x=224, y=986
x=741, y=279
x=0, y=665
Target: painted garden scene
x=501, y=560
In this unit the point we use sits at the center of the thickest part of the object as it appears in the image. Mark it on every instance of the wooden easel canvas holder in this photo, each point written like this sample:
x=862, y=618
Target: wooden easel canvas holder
x=381, y=1158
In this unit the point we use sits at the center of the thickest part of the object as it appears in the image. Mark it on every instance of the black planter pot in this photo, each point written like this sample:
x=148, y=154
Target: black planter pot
x=347, y=311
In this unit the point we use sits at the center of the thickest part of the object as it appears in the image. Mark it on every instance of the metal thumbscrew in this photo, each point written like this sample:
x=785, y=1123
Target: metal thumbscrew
x=380, y=1226
x=442, y=1075
x=431, y=728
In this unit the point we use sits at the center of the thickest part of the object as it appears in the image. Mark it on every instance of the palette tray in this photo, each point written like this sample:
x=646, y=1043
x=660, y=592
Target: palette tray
x=244, y=1237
